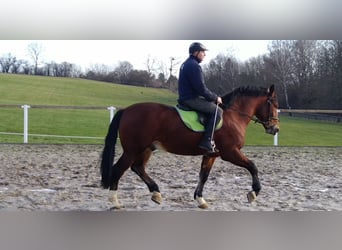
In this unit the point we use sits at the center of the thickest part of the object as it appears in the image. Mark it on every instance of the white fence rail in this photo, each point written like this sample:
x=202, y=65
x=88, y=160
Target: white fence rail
x=26, y=108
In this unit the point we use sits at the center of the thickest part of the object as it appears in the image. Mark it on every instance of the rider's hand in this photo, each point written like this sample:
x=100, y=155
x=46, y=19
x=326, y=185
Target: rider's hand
x=219, y=100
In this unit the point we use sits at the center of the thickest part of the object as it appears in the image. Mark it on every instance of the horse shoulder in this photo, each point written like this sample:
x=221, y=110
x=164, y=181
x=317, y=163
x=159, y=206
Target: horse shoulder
x=232, y=131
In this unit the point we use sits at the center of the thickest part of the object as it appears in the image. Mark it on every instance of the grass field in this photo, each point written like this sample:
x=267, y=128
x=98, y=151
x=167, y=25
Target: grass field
x=298, y=132
x=39, y=90
x=36, y=90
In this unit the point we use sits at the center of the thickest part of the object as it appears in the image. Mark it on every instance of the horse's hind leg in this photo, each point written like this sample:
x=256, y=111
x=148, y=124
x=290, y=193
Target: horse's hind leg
x=139, y=168
x=207, y=163
x=118, y=170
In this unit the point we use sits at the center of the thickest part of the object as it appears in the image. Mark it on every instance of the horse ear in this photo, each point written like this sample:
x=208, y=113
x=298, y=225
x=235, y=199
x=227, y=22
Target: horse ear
x=271, y=89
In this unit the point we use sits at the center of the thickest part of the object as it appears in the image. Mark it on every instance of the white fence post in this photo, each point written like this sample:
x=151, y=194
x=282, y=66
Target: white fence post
x=111, y=113
x=275, y=137
x=25, y=107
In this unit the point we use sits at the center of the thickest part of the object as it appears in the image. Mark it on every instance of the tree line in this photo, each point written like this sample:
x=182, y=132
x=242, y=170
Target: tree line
x=307, y=73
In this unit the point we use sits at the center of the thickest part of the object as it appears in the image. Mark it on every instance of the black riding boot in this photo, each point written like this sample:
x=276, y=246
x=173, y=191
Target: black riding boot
x=206, y=139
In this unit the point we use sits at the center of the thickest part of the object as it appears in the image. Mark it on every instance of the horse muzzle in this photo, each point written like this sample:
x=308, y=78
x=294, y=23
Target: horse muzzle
x=272, y=129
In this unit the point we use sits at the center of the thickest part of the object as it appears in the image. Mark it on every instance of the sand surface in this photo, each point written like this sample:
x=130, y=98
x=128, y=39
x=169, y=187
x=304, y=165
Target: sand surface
x=67, y=178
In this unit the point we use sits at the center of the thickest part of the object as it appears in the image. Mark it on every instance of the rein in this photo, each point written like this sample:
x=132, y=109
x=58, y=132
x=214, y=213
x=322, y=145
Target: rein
x=256, y=119
x=253, y=118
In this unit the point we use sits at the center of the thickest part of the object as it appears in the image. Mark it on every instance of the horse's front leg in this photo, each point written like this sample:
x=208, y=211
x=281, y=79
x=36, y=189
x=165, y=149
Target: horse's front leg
x=238, y=158
x=207, y=163
x=256, y=187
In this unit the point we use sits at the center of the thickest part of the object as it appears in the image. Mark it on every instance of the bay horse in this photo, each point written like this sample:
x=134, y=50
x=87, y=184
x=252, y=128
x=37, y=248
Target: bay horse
x=142, y=125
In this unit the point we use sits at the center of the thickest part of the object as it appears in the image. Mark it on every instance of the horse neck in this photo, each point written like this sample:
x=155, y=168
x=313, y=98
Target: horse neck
x=246, y=106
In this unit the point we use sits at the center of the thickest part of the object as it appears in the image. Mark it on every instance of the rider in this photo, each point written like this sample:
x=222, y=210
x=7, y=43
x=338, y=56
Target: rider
x=194, y=94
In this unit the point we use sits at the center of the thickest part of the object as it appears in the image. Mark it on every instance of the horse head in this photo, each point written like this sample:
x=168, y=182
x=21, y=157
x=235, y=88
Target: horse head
x=267, y=112
x=258, y=104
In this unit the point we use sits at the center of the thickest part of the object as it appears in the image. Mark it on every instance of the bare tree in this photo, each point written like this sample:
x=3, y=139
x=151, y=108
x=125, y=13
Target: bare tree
x=100, y=69
x=330, y=73
x=222, y=73
x=35, y=50
x=281, y=65
x=122, y=71
x=150, y=64
x=253, y=72
x=65, y=69
x=304, y=61
x=139, y=78
x=25, y=67
x=337, y=85
x=163, y=73
x=16, y=66
x=7, y=62
x=100, y=72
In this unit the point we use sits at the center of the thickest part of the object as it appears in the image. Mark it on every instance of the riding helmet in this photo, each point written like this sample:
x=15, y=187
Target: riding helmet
x=196, y=46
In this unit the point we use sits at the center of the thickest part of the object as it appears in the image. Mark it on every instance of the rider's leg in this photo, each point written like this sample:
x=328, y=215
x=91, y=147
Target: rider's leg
x=209, y=109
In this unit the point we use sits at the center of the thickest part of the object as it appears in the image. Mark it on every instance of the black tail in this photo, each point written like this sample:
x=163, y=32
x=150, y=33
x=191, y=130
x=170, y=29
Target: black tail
x=109, y=151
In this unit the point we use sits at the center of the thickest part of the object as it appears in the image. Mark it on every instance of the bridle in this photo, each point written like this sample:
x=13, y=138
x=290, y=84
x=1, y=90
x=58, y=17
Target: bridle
x=270, y=103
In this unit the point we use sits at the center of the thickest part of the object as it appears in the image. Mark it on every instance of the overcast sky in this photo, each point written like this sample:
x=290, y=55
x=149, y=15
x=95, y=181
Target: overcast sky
x=110, y=52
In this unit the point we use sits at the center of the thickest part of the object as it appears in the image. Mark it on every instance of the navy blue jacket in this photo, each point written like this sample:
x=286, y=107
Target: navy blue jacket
x=191, y=82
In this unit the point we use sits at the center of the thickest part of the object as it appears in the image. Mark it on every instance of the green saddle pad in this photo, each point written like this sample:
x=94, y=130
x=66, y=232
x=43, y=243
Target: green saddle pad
x=191, y=120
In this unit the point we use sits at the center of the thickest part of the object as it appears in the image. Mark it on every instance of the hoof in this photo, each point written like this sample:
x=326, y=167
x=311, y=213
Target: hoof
x=251, y=196
x=113, y=198
x=116, y=207
x=156, y=197
x=202, y=203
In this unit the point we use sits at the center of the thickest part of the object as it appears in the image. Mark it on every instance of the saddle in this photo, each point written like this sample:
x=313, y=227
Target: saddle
x=194, y=120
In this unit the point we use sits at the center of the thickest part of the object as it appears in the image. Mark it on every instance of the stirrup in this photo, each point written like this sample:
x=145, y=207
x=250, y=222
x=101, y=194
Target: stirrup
x=211, y=153
x=211, y=150
x=213, y=145
x=214, y=150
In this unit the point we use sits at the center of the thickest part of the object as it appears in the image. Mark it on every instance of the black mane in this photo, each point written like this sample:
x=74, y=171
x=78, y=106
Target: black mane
x=228, y=99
